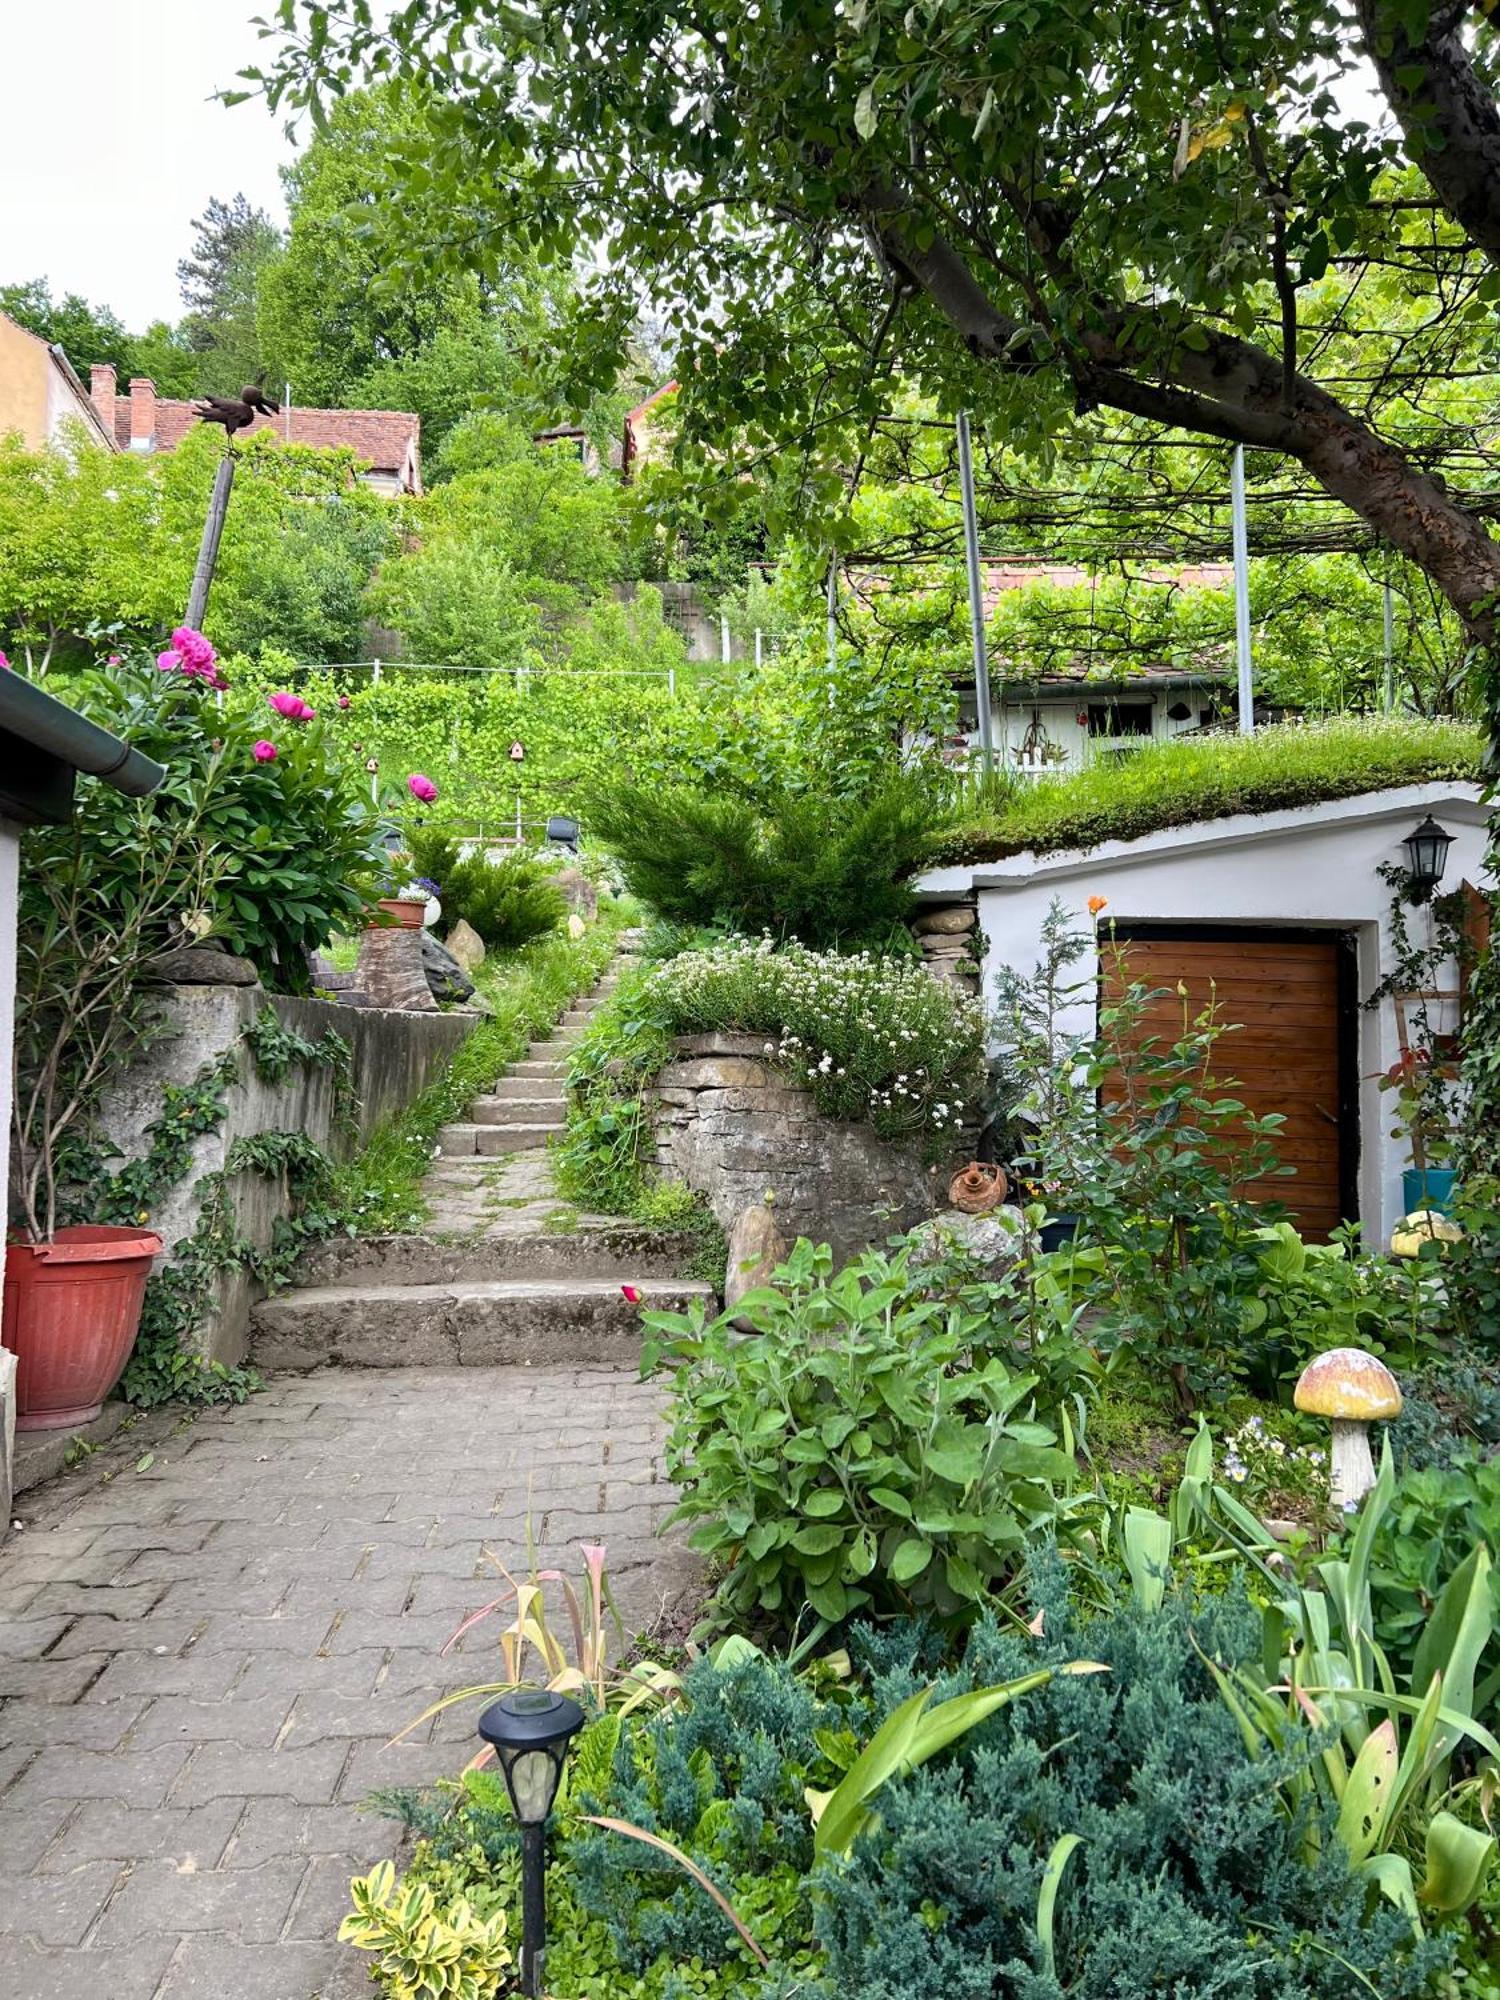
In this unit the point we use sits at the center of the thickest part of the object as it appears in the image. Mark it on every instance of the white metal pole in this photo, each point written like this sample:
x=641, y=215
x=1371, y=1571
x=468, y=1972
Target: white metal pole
x=518, y=815
x=672, y=682
x=757, y=645
x=1388, y=619
x=1242, y=594
x=375, y=673
x=724, y=640
x=976, y=597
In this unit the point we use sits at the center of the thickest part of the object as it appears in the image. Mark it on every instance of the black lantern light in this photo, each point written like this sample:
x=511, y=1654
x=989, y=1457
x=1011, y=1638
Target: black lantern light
x=1426, y=857
x=529, y=1732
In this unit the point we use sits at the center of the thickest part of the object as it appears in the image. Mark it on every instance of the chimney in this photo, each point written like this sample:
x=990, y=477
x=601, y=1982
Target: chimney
x=142, y=413
x=102, y=395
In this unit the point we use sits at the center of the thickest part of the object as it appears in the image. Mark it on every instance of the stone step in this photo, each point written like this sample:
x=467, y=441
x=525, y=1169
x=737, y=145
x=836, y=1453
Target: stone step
x=499, y=1110
x=603, y=1248
x=526, y=1089
x=553, y=1051
x=538, y=1066
x=458, y=1142
x=473, y=1323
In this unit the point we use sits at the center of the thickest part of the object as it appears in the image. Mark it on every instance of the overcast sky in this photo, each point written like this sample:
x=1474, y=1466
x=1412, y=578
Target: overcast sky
x=110, y=145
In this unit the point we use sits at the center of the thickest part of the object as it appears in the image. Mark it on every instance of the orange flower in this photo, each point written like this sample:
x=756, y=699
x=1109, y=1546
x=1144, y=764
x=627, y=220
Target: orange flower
x=1096, y=904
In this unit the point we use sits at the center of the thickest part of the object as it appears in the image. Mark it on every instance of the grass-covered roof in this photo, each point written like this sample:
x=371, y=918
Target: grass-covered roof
x=1211, y=777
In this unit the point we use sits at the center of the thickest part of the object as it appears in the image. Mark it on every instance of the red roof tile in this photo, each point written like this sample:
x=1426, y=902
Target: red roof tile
x=388, y=441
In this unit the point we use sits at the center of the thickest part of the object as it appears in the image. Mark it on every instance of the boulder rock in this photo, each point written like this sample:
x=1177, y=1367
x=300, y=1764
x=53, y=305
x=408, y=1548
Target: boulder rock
x=996, y=1240
x=466, y=946
x=445, y=976
x=756, y=1247
x=576, y=927
x=945, y=923
x=393, y=972
x=202, y=965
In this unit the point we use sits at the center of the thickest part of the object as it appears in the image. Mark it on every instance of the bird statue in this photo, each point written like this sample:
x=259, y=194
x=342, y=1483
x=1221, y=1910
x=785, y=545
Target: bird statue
x=237, y=413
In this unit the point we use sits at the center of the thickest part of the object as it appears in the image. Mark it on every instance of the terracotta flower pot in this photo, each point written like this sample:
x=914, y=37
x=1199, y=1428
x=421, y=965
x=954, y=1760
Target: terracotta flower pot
x=72, y=1310
x=978, y=1189
x=407, y=913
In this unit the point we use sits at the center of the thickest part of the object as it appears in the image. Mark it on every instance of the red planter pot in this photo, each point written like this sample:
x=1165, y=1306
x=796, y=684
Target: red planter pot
x=406, y=915
x=72, y=1309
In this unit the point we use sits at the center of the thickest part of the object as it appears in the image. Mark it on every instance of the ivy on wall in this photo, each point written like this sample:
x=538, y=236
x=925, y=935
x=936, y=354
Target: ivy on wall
x=163, y=1365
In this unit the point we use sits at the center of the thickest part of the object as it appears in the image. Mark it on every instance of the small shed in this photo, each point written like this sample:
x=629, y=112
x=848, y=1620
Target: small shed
x=1286, y=915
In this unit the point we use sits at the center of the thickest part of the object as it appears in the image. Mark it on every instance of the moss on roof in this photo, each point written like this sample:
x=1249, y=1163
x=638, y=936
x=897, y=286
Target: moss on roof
x=1212, y=777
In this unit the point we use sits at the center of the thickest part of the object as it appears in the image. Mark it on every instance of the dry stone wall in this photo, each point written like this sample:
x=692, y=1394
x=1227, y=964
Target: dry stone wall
x=731, y=1125
x=948, y=936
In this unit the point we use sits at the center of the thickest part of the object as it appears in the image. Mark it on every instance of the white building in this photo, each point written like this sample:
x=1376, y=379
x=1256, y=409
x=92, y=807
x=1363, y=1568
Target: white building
x=1285, y=917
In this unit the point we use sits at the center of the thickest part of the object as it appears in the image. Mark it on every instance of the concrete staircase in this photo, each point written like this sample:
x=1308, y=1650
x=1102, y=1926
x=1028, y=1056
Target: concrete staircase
x=505, y=1275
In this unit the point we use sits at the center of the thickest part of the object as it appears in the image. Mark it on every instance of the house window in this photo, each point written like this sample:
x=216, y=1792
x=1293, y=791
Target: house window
x=1120, y=718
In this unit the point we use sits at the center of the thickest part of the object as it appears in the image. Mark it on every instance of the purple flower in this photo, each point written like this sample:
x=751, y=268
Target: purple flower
x=422, y=788
x=426, y=882
x=263, y=752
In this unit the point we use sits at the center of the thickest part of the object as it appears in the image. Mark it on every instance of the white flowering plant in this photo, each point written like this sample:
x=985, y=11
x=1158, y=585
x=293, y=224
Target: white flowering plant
x=873, y=1038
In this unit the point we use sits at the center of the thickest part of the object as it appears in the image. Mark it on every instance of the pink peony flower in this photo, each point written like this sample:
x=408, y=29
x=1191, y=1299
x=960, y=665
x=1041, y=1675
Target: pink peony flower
x=169, y=662
x=632, y=1294
x=4, y=663
x=113, y=660
x=343, y=701
x=292, y=707
x=421, y=788
x=263, y=752
x=196, y=652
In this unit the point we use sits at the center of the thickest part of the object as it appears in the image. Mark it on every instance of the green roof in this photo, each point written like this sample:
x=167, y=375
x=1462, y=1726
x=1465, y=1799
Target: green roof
x=1212, y=777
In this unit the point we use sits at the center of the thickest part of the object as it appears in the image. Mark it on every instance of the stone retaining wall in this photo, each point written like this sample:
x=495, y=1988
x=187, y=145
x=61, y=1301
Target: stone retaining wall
x=394, y=1055
x=731, y=1125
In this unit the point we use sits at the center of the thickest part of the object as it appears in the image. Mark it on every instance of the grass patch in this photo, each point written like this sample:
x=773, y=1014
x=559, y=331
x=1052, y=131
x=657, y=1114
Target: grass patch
x=1211, y=777
x=379, y=1191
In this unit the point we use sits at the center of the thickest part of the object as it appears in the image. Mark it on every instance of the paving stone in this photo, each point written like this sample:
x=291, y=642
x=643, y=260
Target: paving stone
x=374, y=1765
x=26, y=1832
x=134, y=1777
x=87, y=1725
x=202, y=1676
x=272, y=1828
x=254, y=1903
x=177, y=1719
x=30, y=1971
x=229, y=1771
x=81, y=1600
x=222, y=1968
x=56, y=1909
x=100, y=1830
x=29, y=1638
x=243, y=1635
x=323, y=1718
x=323, y=1901
x=137, y=1635
x=53, y=1680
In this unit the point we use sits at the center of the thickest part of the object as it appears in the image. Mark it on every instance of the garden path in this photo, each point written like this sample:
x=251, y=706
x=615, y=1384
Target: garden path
x=211, y=1627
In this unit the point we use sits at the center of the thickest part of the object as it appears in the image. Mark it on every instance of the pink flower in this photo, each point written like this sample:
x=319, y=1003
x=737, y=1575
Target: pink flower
x=292, y=707
x=112, y=661
x=263, y=752
x=421, y=788
x=4, y=663
x=169, y=662
x=196, y=652
x=632, y=1294
x=343, y=701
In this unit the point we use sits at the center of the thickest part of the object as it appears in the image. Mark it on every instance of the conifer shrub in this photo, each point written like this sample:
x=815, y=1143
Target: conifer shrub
x=508, y=899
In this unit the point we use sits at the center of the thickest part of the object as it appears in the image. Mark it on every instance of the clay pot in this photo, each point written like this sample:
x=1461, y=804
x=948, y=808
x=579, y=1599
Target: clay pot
x=72, y=1310
x=406, y=914
x=979, y=1188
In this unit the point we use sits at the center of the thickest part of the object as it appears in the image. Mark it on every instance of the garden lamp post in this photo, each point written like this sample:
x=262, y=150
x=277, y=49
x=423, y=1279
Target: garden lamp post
x=1426, y=857
x=529, y=1732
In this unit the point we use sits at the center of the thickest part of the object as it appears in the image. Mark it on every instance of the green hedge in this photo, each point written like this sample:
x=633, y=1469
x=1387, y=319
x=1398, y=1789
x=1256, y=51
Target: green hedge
x=1179, y=784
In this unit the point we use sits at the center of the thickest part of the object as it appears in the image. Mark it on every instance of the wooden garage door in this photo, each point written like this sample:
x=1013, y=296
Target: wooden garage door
x=1290, y=1053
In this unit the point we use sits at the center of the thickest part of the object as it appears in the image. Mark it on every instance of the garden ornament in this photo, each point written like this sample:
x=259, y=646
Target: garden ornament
x=237, y=413
x=1353, y=1390
x=1424, y=1225
x=979, y=1188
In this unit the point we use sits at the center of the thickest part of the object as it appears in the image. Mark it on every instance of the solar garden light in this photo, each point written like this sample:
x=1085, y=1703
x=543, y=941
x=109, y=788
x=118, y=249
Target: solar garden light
x=1426, y=857
x=529, y=1732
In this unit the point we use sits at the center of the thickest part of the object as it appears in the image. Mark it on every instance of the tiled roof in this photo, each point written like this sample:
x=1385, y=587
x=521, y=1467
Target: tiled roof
x=383, y=439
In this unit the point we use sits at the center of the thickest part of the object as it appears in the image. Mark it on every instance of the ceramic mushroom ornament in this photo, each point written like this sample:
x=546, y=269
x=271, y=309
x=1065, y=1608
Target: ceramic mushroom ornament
x=1353, y=1390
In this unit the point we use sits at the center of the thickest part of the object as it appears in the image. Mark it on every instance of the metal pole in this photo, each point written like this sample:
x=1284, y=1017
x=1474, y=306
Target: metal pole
x=375, y=673
x=1242, y=594
x=724, y=640
x=672, y=682
x=208, y=548
x=288, y=400
x=518, y=815
x=757, y=645
x=1388, y=610
x=976, y=597
x=533, y=1907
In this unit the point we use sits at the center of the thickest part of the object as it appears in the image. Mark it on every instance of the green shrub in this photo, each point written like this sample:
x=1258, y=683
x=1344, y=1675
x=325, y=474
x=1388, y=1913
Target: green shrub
x=1183, y=783
x=1187, y=1879
x=1436, y=1519
x=802, y=866
x=508, y=899
x=863, y=1451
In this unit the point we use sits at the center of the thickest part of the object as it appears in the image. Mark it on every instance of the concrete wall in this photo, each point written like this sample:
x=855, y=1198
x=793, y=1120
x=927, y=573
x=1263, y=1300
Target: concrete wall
x=394, y=1057
x=730, y=1125
x=1313, y=867
x=37, y=400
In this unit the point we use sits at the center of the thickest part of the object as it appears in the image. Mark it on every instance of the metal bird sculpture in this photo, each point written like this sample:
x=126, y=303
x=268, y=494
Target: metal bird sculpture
x=237, y=413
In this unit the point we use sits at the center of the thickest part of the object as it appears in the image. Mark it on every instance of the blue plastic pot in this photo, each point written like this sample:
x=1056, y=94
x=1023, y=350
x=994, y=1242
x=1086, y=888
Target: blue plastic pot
x=1427, y=1187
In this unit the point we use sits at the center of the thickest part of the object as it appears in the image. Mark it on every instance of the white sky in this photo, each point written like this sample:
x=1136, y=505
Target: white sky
x=109, y=145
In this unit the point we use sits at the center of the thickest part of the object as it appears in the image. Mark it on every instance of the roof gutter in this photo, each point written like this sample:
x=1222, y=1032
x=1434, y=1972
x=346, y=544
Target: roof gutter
x=40, y=722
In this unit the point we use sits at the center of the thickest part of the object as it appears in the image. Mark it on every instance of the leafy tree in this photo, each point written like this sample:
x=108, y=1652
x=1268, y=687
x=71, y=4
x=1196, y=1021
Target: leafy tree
x=164, y=353
x=86, y=333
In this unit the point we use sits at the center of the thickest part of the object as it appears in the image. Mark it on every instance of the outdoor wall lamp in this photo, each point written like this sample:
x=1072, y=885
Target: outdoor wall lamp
x=1426, y=857
x=529, y=1732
